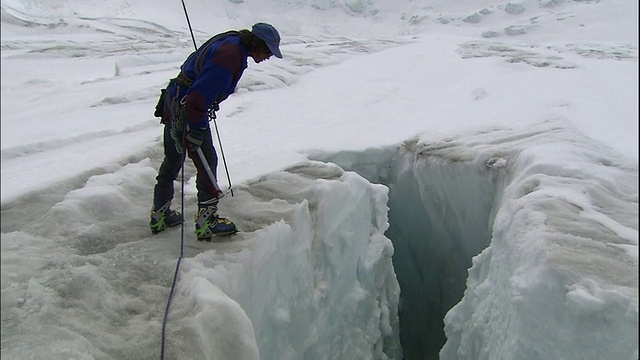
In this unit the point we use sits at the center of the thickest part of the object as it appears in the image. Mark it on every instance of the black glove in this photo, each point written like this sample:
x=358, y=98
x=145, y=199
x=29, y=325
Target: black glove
x=177, y=128
x=177, y=139
x=195, y=137
x=212, y=111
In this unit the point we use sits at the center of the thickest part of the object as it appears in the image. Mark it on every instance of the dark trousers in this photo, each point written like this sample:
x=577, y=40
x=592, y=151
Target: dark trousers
x=172, y=163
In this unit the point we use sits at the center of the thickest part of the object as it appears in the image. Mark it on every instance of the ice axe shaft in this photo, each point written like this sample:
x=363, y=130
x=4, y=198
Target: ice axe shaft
x=207, y=168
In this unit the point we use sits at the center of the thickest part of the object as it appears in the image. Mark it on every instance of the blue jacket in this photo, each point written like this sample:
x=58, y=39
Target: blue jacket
x=215, y=68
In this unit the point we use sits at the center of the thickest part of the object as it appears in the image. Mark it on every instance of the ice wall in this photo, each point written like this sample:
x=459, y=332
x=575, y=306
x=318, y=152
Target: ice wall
x=314, y=281
x=560, y=278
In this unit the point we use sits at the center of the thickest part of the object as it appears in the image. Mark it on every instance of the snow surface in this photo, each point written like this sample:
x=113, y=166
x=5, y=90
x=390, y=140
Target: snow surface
x=498, y=218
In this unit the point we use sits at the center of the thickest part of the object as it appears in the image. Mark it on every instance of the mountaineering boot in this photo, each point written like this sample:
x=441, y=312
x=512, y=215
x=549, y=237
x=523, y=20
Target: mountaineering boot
x=164, y=217
x=209, y=224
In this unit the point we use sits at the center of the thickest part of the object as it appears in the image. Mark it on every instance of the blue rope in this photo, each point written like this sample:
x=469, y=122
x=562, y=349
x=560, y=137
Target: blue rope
x=175, y=275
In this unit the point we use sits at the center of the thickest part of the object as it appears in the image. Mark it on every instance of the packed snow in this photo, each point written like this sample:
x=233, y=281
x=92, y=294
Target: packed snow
x=414, y=180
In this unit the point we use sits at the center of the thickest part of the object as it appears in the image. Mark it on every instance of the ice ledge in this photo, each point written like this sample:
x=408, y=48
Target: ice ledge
x=311, y=278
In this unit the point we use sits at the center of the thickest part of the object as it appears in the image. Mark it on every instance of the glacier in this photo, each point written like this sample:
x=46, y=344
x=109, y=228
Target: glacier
x=505, y=228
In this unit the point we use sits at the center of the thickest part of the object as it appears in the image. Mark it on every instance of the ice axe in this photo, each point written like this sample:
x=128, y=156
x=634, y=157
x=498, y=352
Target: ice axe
x=212, y=177
x=205, y=163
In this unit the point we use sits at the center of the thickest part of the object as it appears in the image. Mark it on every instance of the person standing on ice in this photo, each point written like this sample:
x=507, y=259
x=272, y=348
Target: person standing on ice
x=207, y=77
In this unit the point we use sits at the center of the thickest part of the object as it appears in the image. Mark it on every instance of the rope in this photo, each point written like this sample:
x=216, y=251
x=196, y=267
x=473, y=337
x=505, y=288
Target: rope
x=175, y=275
x=189, y=23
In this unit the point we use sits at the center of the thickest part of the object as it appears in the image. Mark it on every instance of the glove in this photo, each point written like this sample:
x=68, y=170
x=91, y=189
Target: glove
x=195, y=137
x=177, y=139
x=212, y=111
x=177, y=128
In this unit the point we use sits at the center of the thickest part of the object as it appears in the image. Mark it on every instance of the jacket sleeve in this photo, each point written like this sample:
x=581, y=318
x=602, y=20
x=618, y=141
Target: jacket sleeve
x=213, y=83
